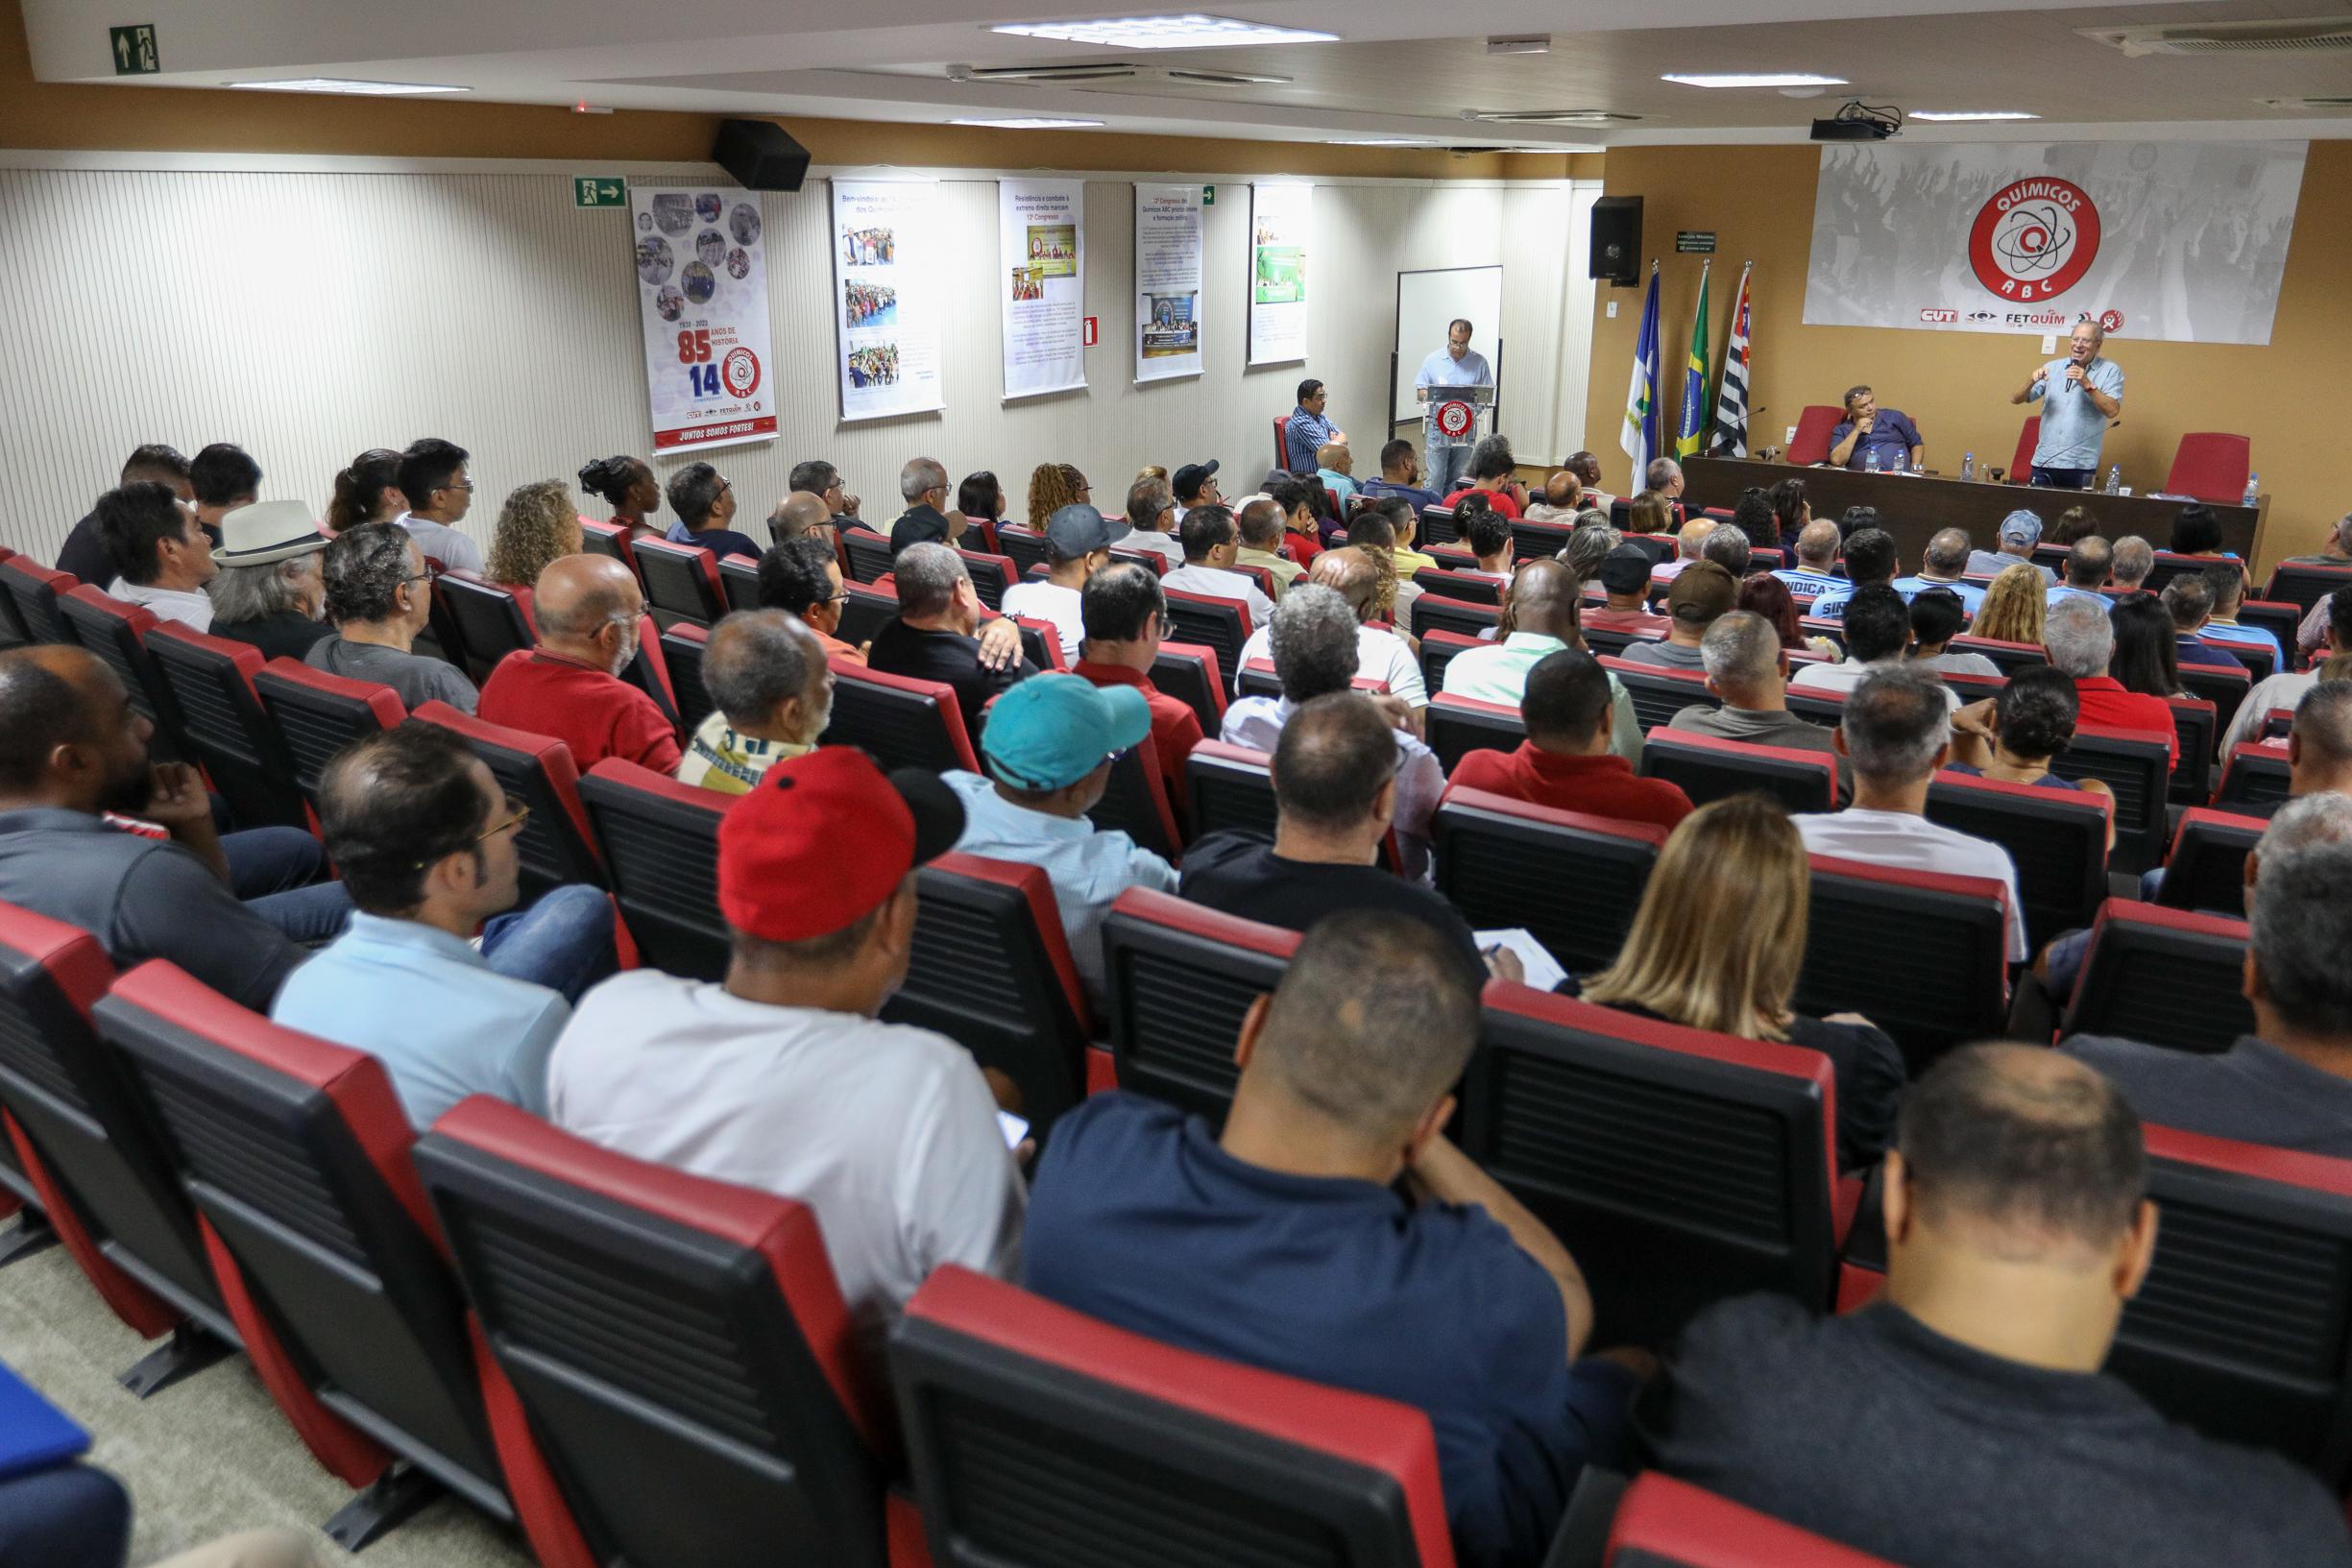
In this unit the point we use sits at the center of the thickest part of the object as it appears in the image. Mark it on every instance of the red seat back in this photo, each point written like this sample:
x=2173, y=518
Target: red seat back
x=1922, y=955
x=554, y=843
x=2211, y=466
x=1572, y=880
x=33, y=590
x=1156, y=946
x=1813, y=429
x=319, y=713
x=681, y=581
x=660, y=841
x=1665, y=1522
x=211, y=684
x=903, y=721
x=1710, y=768
x=2028, y=440
x=2163, y=977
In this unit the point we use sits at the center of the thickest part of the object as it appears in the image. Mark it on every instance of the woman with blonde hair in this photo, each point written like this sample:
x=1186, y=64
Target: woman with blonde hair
x=536, y=526
x=1052, y=486
x=2013, y=606
x=1651, y=514
x=1684, y=962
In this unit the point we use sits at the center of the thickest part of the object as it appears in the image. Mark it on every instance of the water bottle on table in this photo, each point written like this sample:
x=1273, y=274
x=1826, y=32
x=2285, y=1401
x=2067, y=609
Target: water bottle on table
x=2115, y=477
x=2253, y=490
x=1968, y=465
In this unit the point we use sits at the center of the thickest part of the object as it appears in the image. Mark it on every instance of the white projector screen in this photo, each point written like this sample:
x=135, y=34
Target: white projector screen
x=1428, y=302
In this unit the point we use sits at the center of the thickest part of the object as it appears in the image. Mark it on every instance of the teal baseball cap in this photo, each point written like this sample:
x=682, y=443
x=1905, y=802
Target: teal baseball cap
x=1051, y=730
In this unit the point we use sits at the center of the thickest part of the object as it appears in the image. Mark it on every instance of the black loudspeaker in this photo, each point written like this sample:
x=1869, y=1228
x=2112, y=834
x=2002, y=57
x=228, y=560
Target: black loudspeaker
x=762, y=156
x=1616, y=239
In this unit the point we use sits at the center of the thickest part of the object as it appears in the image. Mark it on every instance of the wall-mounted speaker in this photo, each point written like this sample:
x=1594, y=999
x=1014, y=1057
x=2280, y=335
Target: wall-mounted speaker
x=1616, y=239
x=761, y=154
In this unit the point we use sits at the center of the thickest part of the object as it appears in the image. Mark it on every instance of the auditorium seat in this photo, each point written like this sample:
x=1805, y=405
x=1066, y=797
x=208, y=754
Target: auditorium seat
x=1211, y=622
x=1437, y=526
x=681, y=583
x=1816, y=423
x=1041, y=642
x=1574, y=881
x=2028, y=440
x=11, y=624
x=649, y=672
x=1283, y=441
x=1436, y=613
x=2163, y=977
x=1025, y=548
x=868, y=552
x=991, y=576
x=1260, y=678
x=2225, y=688
x=1678, y=1166
x=1657, y=693
x=1261, y=576
x=1227, y=786
x=903, y=721
x=1665, y=1523
x=2056, y=839
x=1708, y=769
x=1922, y=955
x=2280, y=620
x=115, y=633
x=554, y=843
x=211, y=684
x=1457, y=725
x=1462, y=587
x=1152, y=559
x=1181, y=977
x=2168, y=565
x=33, y=590
x=660, y=843
x=739, y=578
x=2136, y=764
x=2240, y=1327
x=491, y=623
x=2206, y=868
x=609, y=539
x=2300, y=585
x=2276, y=724
x=1657, y=547
x=2197, y=723
x=295, y=1154
x=682, y=648
x=1826, y=709
x=2211, y=467
x=866, y=610
x=991, y=970
x=319, y=713
x=1043, y=1439
x=1438, y=649
x=1537, y=541
x=1135, y=801
x=1188, y=673
x=1605, y=643
x=2256, y=774
x=2011, y=657
x=87, y=1139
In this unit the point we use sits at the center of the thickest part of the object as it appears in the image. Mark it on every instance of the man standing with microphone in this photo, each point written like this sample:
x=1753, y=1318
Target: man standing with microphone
x=1456, y=365
x=2083, y=392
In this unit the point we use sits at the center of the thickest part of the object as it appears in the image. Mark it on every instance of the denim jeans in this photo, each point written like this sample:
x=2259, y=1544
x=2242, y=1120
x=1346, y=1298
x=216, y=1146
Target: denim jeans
x=2064, y=478
x=564, y=941
x=71, y=1516
x=1449, y=468
x=276, y=872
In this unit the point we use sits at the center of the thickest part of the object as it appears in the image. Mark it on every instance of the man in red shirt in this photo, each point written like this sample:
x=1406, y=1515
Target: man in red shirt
x=1565, y=761
x=590, y=613
x=1126, y=615
x=2080, y=641
x=1491, y=472
x=1624, y=574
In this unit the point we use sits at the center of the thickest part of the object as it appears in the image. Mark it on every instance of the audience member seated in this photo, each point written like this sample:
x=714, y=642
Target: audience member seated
x=222, y=477
x=1814, y=574
x=2334, y=547
x=1687, y=963
x=628, y=486
x=1945, y=559
x=1488, y=534
x=1380, y=653
x=781, y=1078
x=1405, y=523
x=1766, y=595
x=1563, y=497
x=368, y=491
x=979, y=497
x=440, y=490
x=1371, y=535
x=1260, y=521
x=1565, y=761
x=704, y=500
x=2015, y=608
x=1127, y=617
x=822, y=479
x=1897, y=733
x=2226, y=582
x=1649, y=513
x=1793, y=511
x=538, y=525
x=2088, y=562
x=1938, y=615
x=2318, y=745
x=1077, y=542
x=1285, y=1242
x=268, y=591
x=1335, y=470
x=162, y=559
x=1752, y=515
x=2081, y=639
x=801, y=513
x=2075, y=525
x=2146, y=647
x=1587, y=470
x=1307, y=432
x=2283, y=690
x=2134, y=559
x=591, y=613
x=1870, y=561
x=1624, y=576
x=923, y=482
x=934, y=637
x=1539, y=619
x=2017, y=1226
x=1401, y=475
x=1746, y=667
x=766, y=673
x=1151, y=515
x=2018, y=533
x=379, y=595
x=1589, y=545
x=1702, y=595
x=1316, y=653
x=1193, y=484
x=1211, y=542
x=802, y=576
x=1492, y=466
x=2015, y=736
x=1049, y=748
x=1303, y=523
x=76, y=1515
x=1877, y=631
x=425, y=841
x=1335, y=789
x=2190, y=602
x=1727, y=548
x=2196, y=530
x=85, y=554
x=1688, y=541
x=232, y=909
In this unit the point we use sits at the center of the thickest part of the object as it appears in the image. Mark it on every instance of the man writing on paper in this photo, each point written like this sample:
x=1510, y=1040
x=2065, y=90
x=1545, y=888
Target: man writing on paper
x=1453, y=366
x=2083, y=392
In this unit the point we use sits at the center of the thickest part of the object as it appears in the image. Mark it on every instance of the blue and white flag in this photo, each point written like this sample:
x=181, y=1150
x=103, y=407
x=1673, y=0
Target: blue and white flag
x=1639, y=438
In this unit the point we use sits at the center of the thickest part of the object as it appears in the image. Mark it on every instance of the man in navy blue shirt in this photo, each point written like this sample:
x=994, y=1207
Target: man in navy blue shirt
x=1282, y=1245
x=1874, y=436
x=1401, y=475
x=2190, y=600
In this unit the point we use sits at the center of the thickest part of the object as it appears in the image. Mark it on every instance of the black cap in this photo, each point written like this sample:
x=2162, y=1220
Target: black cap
x=1625, y=570
x=938, y=812
x=1190, y=478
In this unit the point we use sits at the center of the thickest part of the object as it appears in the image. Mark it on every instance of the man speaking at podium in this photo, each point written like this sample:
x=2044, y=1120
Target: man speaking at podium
x=1448, y=457
x=2079, y=395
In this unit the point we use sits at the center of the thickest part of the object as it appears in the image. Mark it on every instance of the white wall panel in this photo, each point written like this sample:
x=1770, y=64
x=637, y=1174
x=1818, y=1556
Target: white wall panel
x=309, y=315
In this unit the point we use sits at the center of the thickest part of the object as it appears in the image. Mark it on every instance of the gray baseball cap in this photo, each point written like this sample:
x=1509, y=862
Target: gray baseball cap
x=1078, y=530
x=2020, y=528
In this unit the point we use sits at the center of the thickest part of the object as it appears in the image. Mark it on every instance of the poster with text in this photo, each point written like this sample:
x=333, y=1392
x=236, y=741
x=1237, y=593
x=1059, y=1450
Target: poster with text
x=1041, y=283
x=2175, y=241
x=1167, y=282
x=1279, y=219
x=702, y=296
x=884, y=301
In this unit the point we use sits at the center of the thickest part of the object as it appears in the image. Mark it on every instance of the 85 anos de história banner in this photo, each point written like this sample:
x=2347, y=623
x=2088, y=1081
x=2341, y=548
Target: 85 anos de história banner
x=1167, y=282
x=702, y=300
x=884, y=306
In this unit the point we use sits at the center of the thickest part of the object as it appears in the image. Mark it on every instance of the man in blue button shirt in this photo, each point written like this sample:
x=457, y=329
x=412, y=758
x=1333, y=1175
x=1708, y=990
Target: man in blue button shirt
x=1282, y=1242
x=1308, y=431
x=2080, y=395
x=1877, y=438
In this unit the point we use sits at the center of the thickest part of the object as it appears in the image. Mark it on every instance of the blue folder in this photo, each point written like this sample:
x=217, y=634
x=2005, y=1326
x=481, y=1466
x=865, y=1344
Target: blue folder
x=34, y=1435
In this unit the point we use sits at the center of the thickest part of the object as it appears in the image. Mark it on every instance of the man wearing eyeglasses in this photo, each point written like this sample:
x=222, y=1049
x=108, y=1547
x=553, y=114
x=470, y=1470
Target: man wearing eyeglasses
x=822, y=479
x=591, y=613
x=432, y=474
x=426, y=842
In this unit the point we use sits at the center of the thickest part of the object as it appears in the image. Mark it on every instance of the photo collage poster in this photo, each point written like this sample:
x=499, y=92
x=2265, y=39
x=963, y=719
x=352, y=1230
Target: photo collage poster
x=1279, y=217
x=1041, y=283
x=702, y=300
x=1167, y=282
x=883, y=304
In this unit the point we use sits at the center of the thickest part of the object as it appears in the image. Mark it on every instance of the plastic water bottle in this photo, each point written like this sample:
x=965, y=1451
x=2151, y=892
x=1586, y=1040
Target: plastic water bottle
x=2115, y=477
x=1968, y=465
x=2253, y=488
x=1870, y=460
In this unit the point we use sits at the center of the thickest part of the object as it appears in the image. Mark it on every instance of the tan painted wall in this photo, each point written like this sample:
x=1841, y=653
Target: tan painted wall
x=2293, y=397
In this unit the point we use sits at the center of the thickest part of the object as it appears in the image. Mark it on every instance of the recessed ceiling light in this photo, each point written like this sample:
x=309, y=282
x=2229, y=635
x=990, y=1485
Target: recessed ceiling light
x=1376, y=141
x=337, y=84
x=1972, y=114
x=1785, y=79
x=1186, y=32
x=1030, y=123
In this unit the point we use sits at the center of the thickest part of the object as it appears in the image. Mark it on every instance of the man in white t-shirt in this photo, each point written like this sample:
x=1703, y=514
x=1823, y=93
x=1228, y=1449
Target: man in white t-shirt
x=1212, y=543
x=1151, y=521
x=440, y=489
x=1877, y=631
x=1380, y=653
x=1078, y=541
x=781, y=1078
x=1897, y=733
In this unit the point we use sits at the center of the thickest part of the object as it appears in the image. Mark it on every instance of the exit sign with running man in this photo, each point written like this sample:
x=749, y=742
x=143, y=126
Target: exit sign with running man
x=599, y=191
x=134, y=50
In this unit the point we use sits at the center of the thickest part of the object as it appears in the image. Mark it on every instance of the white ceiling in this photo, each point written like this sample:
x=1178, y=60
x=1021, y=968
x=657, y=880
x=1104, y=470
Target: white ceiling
x=1402, y=67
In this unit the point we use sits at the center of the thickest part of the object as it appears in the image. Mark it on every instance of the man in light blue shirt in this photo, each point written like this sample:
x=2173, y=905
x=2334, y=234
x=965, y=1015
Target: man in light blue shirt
x=426, y=842
x=2088, y=562
x=1456, y=365
x=1940, y=566
x=2081, y=396
x=1049, y=748
x=2020, y=531
x=2227, y=582
x=1544, y=598
x=1812, y=576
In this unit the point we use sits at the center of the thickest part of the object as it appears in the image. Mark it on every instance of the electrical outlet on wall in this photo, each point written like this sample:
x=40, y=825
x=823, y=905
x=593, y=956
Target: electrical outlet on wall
x=2049, y=342
x=1612, y=310
x=1792, y=434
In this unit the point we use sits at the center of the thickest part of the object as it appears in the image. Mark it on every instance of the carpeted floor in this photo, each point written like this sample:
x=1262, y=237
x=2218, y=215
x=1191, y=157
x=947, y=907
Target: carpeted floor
x=209, y=1456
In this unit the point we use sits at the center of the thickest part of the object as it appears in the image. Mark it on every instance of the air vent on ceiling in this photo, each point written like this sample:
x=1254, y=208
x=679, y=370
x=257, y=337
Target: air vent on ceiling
x=1109, y=70
x=2308, y=36
x=1220, y=79
x=2305, y=103
x=1549, y=116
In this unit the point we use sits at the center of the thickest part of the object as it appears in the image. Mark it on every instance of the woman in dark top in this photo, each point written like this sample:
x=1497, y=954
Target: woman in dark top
x=2146, y=657
x=1792, y=511
x=628, y=487
x=1685, y=963
x=1752, y=515
x=2014, y=737
x=367, y=492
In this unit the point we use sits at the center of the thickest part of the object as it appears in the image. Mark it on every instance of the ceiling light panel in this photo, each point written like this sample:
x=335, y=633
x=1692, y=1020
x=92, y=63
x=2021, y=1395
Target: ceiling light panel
x=1379, y=142
x=1786, y=78
x=1189, y=31
x=1960, y=116
x=336, y=83
x=1030, y=123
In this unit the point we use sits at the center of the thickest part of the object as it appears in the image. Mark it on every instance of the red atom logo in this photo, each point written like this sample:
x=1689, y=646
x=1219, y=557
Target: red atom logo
x=741, y=371
x=1454, y=419
x=2035, y=239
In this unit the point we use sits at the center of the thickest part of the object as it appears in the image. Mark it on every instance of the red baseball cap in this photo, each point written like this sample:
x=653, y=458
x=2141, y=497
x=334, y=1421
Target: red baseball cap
x=822, y=839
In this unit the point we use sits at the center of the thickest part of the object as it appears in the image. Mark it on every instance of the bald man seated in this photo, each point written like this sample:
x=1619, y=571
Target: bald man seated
x=800, y=513
x=589, y=612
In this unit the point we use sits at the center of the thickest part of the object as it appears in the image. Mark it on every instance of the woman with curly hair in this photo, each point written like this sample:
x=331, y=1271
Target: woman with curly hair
x=2012, y=608
x=1052, y=486
x=367, y=492
x=536, y=525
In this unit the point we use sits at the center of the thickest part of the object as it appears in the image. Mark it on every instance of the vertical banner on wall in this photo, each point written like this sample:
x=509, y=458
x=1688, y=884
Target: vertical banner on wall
x=1041, y=283
x=883, y=304
x=1279, y=221
x=1167, y=282
x=702, y=300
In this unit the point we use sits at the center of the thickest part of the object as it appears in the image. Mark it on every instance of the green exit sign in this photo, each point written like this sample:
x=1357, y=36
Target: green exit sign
x=599, y=191
x=134, y=50
x=1208, y=196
